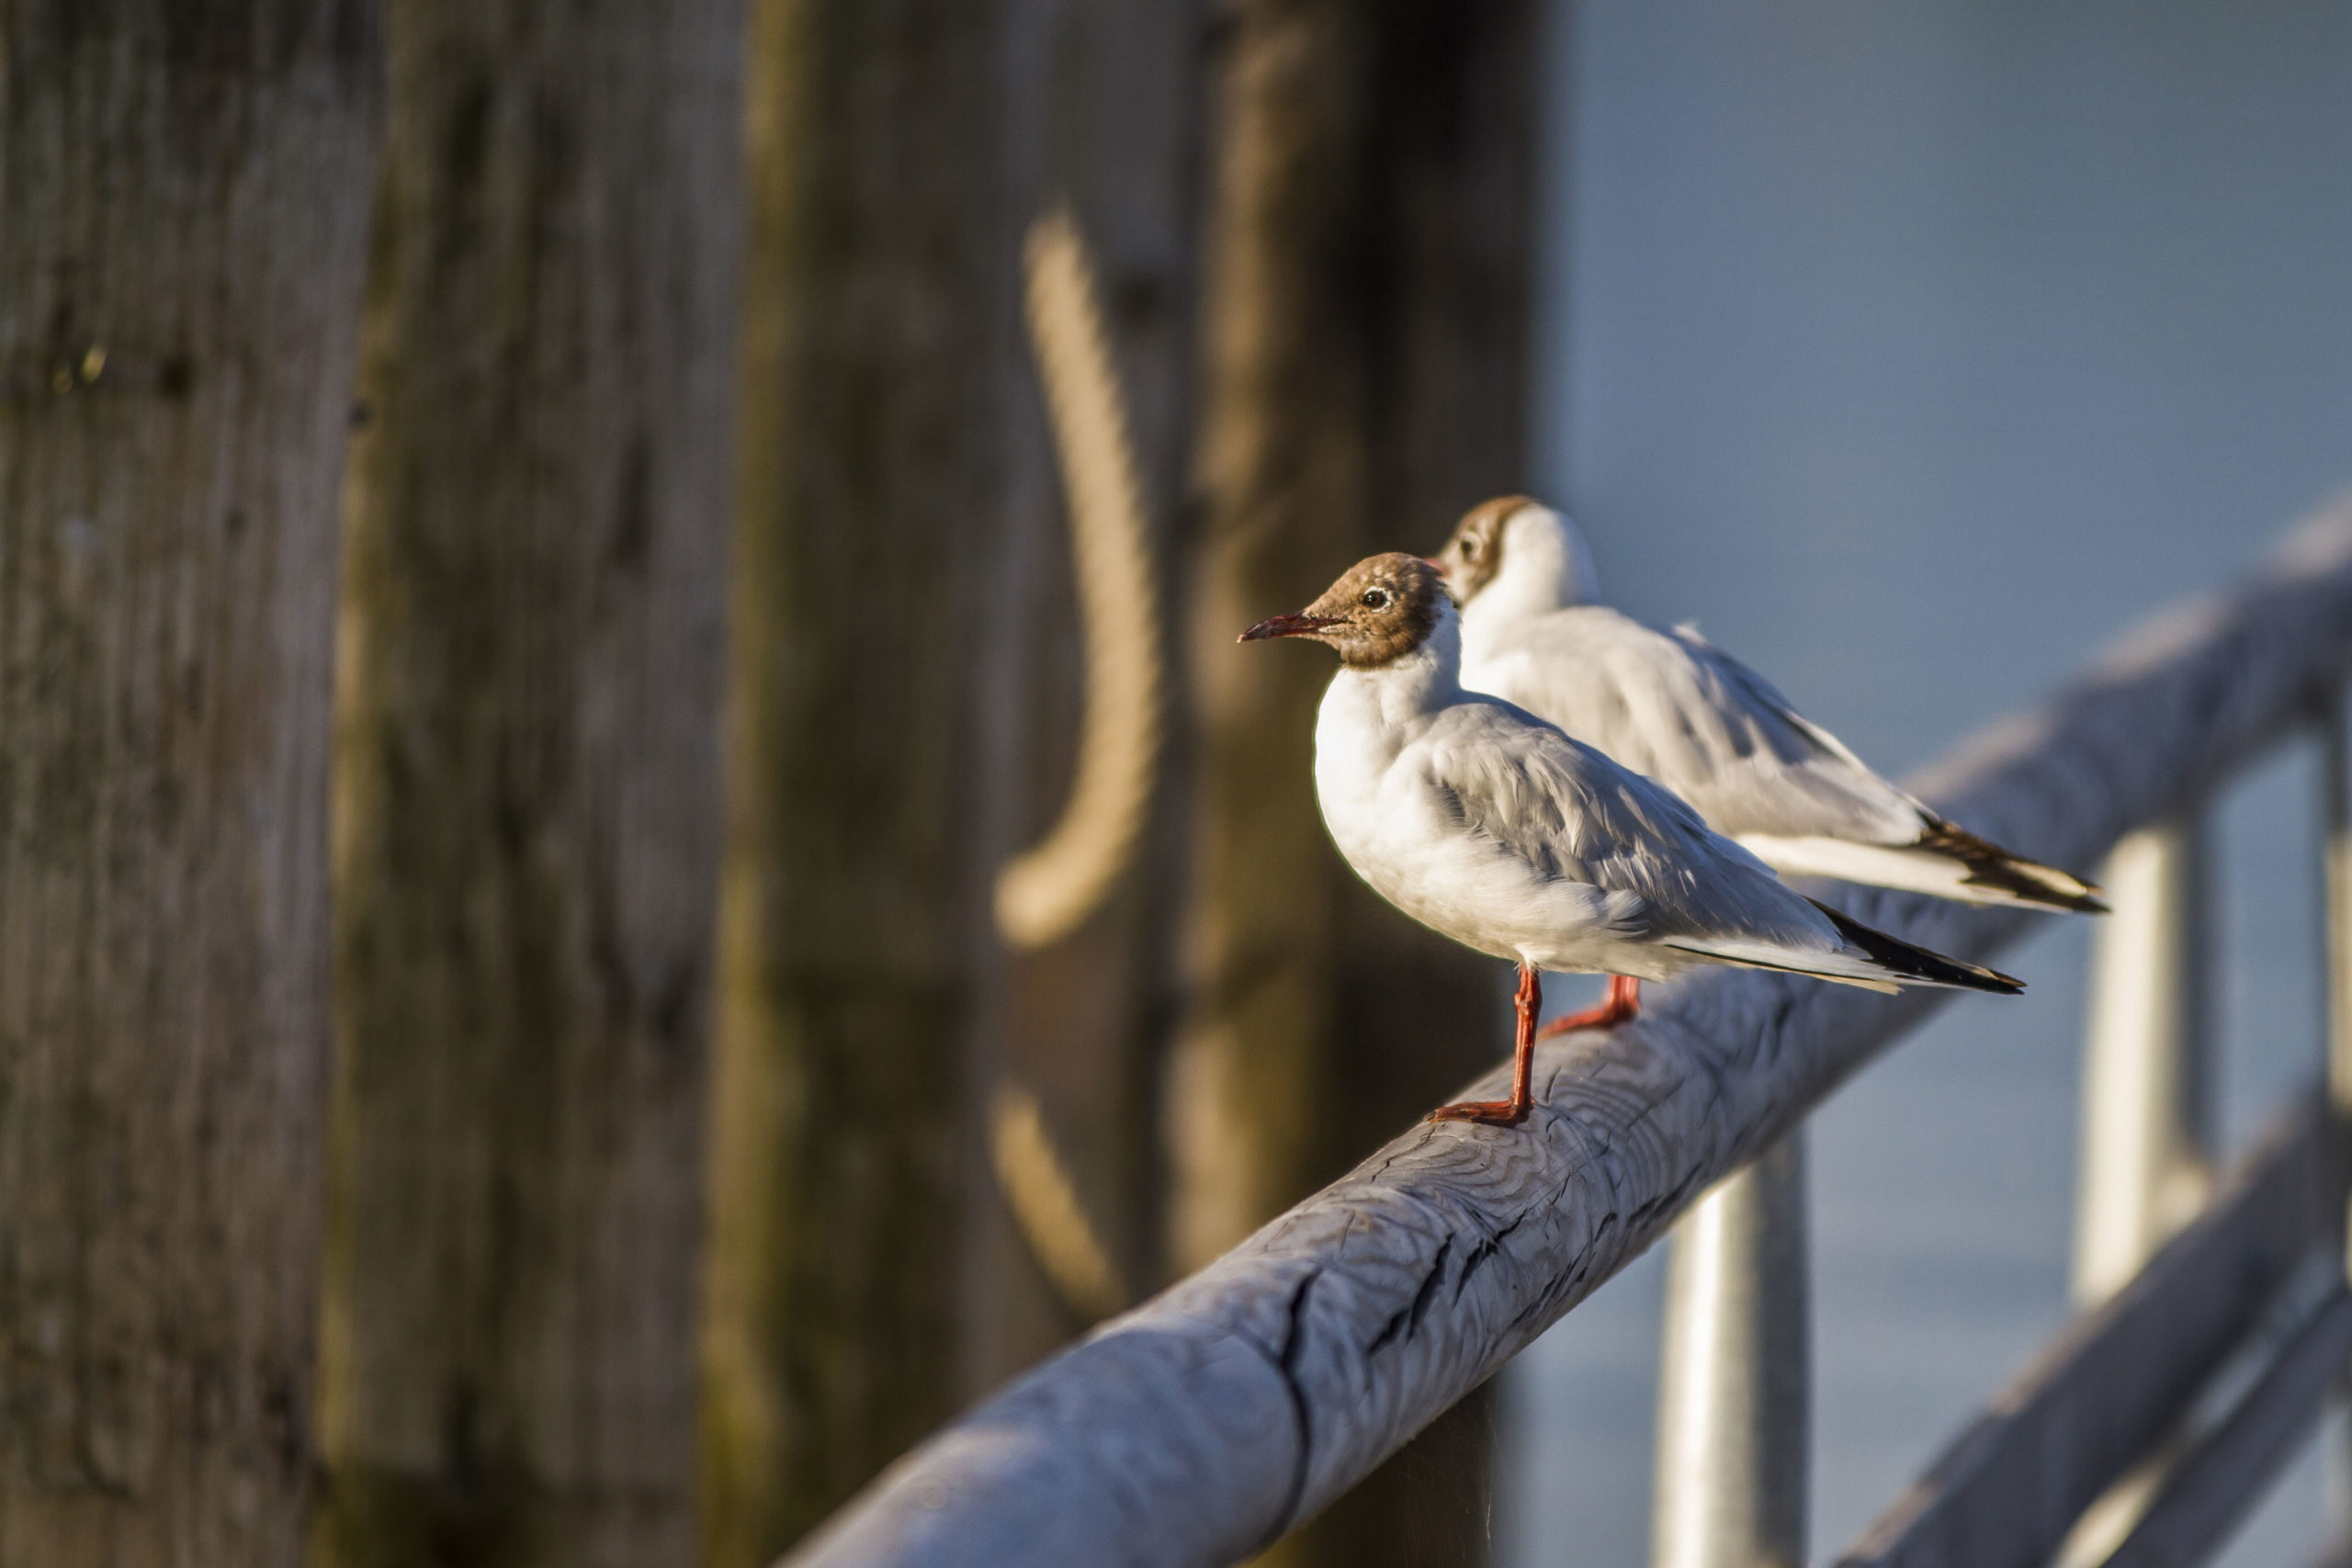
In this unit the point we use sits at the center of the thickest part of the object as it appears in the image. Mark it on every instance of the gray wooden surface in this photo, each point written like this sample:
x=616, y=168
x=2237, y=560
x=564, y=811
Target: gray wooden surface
x=1244, y=1399
x=2221, y=1477
x=526, y=790
x=184, y=231
x=878, y=341
x=2010, y=1486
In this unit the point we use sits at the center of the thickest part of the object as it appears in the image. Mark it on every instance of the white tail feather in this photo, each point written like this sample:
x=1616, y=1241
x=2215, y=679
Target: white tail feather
x=1839, y=968
x=1910, y=867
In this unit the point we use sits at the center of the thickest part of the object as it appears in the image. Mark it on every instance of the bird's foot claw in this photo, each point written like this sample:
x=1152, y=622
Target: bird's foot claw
x=1485, y=1113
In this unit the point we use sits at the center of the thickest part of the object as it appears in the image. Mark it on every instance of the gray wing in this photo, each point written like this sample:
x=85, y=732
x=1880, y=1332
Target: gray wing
x=1674, y=706
x=1570, y=814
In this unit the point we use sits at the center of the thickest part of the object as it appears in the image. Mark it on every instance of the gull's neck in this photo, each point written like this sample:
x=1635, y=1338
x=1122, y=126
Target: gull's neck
x=1367, y=719
x=1545, y=567
x=1419, y=684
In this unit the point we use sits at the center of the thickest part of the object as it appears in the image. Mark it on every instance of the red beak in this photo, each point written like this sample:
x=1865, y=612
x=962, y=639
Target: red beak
x=1288, y=625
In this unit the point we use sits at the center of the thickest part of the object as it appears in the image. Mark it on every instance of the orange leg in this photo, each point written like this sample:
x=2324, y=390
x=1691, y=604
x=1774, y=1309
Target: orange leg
x=1624, y=1002
x=1512, y=1111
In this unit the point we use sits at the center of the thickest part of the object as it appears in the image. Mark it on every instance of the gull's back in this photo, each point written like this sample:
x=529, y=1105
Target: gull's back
x=1674, y=707
x=1499, y=829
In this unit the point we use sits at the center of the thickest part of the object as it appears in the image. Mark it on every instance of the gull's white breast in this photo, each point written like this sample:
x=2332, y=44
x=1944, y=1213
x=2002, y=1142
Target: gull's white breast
x=1397, y=828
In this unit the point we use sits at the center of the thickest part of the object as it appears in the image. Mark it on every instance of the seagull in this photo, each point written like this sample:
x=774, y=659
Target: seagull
x=1672, y=706
x=1495, y=828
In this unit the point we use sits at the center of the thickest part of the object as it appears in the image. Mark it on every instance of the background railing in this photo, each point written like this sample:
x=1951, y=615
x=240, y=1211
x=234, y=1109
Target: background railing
x=2216, y=1320
x=1233, y=1406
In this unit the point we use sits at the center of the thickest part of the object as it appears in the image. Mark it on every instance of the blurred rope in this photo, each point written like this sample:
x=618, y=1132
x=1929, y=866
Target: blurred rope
x=1047, y=891
x=1045, y=1205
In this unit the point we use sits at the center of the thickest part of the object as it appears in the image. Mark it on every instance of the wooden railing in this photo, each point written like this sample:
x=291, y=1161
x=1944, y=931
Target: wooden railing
x=2216, y=1319
x=1223, y=1413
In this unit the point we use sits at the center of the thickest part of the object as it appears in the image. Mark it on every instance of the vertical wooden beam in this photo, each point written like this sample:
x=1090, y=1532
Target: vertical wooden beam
x=182, y=219
x=879, y=305
x=527, y=788
x=1106, y=98
x=1363, y=379
x=1735, y=1398
x=2146, y=1159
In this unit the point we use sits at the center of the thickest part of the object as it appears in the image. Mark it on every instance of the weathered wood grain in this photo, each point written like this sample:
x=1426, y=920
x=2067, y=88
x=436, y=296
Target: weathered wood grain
x=526, y=789
x=2011, y=1487
x=879, y=336
x=183, y=236
x=1244, y=1399
x=2220, y=1479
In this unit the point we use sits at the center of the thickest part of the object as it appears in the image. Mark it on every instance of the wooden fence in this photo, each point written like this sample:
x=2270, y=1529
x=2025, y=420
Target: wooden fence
x=1225, y=1412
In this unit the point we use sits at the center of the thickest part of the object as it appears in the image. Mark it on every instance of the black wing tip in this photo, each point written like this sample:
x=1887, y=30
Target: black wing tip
x=1904, y=959
x=2033, y=892
x=1990, y=865
x=2032, y=895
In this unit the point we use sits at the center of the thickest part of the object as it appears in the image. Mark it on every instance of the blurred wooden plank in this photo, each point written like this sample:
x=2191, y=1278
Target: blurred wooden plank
x=183, y=214
x=2222, y=1476
x=862, y=1280
x=527, y=788
x=1103, y=100
x=1249, y=1397
x=2009, y=1489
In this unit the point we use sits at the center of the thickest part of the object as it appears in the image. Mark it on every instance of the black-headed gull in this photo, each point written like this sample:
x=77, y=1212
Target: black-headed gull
x=1677, y=708
x=1493, y=828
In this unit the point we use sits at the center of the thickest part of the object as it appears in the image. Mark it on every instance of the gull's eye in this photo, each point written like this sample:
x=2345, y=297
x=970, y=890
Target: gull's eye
x=1470, y=547
x=1374, y=599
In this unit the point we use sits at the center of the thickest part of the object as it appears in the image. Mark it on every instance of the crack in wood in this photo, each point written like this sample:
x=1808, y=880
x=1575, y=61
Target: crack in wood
x=1408, y=1318
x=1286, y=1364
x=1480, y=1254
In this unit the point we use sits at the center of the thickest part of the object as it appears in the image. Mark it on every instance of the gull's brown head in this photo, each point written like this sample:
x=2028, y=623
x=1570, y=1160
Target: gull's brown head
x=1474, y=554
x=1383, y=609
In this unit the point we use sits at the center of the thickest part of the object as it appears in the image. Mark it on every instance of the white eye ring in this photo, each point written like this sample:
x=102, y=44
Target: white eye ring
x=1376, y=599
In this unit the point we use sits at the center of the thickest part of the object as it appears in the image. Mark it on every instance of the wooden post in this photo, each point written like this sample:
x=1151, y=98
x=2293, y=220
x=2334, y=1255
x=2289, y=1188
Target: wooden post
x=183, y=222
x=880, y=325
x=1104, y=101
x=2146, y=1155
x=2146, y=1159
x=1735, y=1398
x=527, y=788
x=1366, y=281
